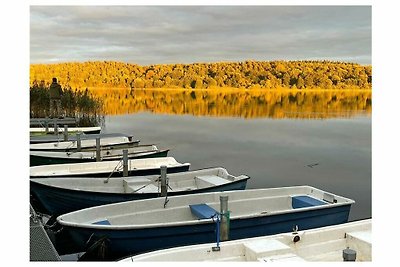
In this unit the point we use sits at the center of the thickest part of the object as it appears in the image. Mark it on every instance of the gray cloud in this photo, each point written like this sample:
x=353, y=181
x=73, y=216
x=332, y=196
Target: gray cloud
x=185, y=34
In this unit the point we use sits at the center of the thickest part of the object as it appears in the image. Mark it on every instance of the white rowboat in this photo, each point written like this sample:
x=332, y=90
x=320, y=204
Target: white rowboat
x=62, y=195
x=320, y=244
x=112, y=168
x=85, y=144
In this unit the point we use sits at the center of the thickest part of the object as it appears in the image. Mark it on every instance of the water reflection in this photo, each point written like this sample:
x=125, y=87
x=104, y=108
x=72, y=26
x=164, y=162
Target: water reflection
x=237, y=103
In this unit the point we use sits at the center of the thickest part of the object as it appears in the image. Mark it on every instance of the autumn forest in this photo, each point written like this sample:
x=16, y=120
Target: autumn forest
x=248, y=74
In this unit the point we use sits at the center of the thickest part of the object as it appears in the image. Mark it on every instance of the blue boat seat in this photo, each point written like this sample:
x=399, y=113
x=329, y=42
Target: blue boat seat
x=305, y=201
x=102, y=222
x=202, y=211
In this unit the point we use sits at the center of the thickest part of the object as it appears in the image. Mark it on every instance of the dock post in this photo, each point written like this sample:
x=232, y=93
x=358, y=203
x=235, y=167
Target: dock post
x=65, y=132
x=163, y=177
x=55, y=126
x=130, y=139
x=125, y=162
x=224, y=228
x=78, y=141
x=46, y=125
x=98, y=149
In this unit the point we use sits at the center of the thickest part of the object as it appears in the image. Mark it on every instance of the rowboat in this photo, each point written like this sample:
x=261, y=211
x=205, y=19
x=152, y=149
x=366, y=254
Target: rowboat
x=60, y=157
x=328, y=244
x=139, y=226
x=90, y=144
x=51, y=138
x=112, y=168
x=86, y=130
x=62, y=195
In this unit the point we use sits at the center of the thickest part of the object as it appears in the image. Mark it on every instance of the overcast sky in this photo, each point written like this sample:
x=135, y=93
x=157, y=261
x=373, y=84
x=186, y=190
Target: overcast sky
x=148, y=35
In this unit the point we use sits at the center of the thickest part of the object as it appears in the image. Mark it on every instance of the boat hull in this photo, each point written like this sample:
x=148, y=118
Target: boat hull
x=58, y=201
x=36, y=160
x=124, y=242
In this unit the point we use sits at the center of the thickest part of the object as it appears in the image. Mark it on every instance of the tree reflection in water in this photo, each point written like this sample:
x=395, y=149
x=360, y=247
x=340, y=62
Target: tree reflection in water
x=238, y=103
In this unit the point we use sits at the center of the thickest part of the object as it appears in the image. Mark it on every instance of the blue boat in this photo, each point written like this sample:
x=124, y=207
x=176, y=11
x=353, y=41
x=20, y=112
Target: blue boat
x=62, y=195
x=134, y=227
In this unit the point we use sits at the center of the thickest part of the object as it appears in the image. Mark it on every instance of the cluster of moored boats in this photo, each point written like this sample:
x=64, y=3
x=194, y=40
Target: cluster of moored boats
x=146, y=206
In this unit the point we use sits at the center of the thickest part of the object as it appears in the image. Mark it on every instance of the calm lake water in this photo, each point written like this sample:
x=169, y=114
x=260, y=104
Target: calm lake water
x=278, y=138
x=273, y=152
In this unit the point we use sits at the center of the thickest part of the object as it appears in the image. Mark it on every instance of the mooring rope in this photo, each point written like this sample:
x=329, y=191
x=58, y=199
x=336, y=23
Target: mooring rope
x=116, y=167
x=151, y=182
x=217, y=218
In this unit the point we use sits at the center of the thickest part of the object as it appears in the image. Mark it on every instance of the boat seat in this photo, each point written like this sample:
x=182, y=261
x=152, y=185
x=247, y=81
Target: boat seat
x=361, y=242
x=139, y=185
x=305, y=201
x=362, y=236
x=209, y=180
x=257, y=249
x=202, y=211
x=102, y=222
x=149, y=188
x=280, y=258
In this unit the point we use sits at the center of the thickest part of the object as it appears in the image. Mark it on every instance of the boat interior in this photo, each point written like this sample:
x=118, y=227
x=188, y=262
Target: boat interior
x=242, y=203
x=179, y=181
